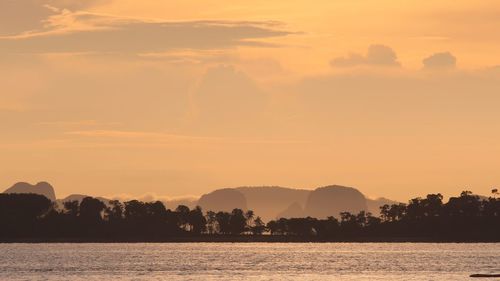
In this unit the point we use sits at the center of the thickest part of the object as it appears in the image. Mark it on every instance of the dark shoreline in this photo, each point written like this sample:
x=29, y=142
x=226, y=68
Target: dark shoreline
x=31, y=218
x=247, y=239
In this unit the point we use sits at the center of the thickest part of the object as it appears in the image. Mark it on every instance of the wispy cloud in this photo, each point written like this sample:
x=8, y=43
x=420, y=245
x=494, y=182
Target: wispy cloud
x=29, y=16
x=73, y=32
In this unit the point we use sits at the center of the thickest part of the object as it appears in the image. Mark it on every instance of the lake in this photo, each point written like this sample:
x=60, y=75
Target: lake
x=248, y=261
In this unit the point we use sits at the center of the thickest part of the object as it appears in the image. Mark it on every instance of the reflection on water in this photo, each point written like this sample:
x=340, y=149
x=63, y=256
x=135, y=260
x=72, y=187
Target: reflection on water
x=247, y=261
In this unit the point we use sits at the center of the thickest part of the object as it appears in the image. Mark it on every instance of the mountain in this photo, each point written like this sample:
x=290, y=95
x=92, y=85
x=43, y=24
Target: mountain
x=274, y=202
x=295, y=210
x=331, y=200
x=268, y=201
x=173, y=203
x=79, y=198
x=41, y=188
x=374, y=204
x=225, y=199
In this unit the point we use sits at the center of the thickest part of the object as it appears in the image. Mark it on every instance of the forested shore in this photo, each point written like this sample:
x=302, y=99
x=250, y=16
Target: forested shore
x=31, y=218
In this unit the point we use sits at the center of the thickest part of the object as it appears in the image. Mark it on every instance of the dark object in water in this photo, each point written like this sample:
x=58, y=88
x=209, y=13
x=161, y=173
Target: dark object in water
x=485, y=275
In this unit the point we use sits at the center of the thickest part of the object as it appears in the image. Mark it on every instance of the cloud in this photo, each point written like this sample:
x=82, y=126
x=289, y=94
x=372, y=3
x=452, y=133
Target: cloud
x=443, y=60
x=75, y=5
x=19, y=16
x=377, y=55
x=77, y=32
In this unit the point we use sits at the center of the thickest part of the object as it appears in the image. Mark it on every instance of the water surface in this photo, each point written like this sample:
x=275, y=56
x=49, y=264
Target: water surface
x=247, y=261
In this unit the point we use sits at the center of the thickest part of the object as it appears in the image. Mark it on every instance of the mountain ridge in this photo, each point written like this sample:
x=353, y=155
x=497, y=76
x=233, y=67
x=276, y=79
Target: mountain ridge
x=269, y=202
x=42, y=188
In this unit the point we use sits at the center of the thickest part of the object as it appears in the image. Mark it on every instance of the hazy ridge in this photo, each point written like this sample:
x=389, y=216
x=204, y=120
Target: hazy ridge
x=269, y=202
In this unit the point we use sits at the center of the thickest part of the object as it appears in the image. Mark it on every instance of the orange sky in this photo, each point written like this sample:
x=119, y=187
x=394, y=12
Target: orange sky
x=107, y=97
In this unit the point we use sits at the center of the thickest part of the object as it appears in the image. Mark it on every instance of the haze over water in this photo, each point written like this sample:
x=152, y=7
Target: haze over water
x=247, y=261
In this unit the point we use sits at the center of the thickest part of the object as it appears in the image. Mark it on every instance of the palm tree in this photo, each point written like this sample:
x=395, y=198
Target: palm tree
x=259, y=226
x=249, y=215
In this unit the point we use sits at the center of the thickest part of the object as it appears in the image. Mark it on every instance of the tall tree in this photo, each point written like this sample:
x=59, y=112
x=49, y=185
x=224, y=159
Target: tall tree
x=197, y=221
x=237, y=222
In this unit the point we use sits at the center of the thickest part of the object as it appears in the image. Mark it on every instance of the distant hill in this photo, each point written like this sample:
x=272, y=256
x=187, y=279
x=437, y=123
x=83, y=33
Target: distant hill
x=374, y=204
x=41, y=188
x=173, y=203
x=268, y=202
x=331, y=200
x=79, y=198
x=271, y=202
x=225, y=199
x=295, y=210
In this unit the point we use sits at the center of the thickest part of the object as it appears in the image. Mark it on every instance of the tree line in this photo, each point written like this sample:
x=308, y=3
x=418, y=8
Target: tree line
x=31, y=216
x=466, y=217
x=35, y=216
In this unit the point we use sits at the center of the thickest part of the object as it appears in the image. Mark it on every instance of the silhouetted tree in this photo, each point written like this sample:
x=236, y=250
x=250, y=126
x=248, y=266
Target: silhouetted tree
x=249, y=215
x=463, y=218
x=237, y=222
x=197, y=221
x=433, y=205
x=183, y=217
x=211, y=222
x=301, y=226
x=156, y=210
x=328, y=228
x=491, y=208
x=467, y=205
x=349, y=222
x=258, y=226
x=278, y=227
x=393, y=212
x=272, y=226
x=372, y=221
x=135, y=210
x=72, y=208
x=223, y=222
x=91, y=210
x=115, y=211
x=20, y=212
